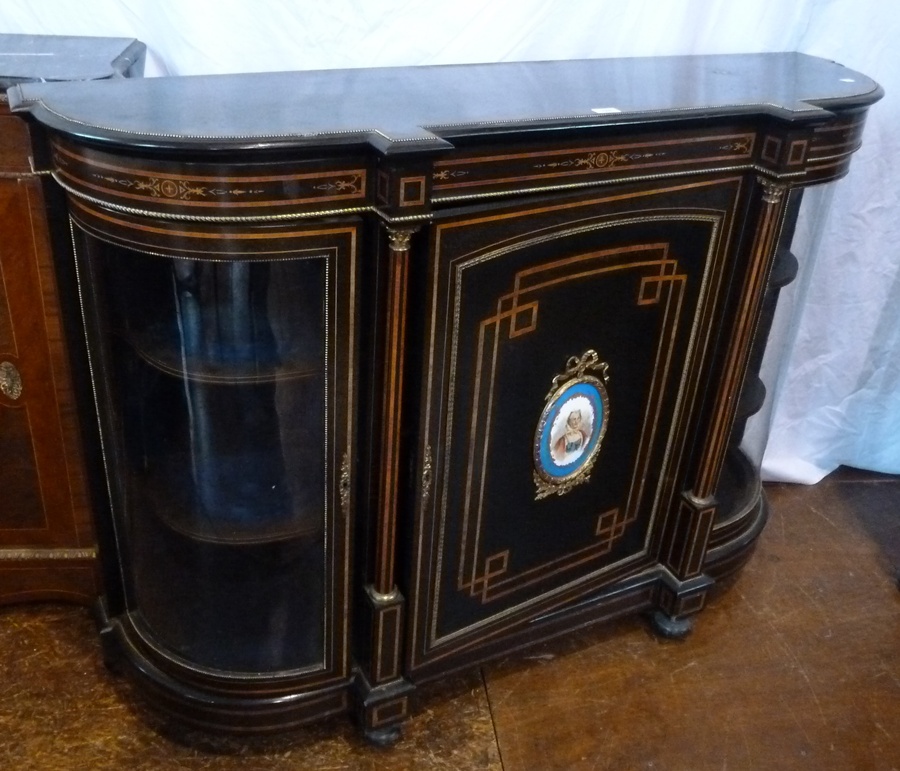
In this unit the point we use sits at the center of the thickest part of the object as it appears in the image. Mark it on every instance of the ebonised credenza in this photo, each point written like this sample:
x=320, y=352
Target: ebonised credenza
x=396, y=370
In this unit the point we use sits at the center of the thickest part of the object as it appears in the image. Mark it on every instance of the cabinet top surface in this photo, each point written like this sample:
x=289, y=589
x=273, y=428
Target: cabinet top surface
x=402, y=109
x=26, y=58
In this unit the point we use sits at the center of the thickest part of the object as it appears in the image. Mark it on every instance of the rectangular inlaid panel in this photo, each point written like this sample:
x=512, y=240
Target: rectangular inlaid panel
x=492, y=171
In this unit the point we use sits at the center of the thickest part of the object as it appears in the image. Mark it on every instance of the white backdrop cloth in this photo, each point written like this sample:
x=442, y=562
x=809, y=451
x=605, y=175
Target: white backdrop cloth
x=833, y=364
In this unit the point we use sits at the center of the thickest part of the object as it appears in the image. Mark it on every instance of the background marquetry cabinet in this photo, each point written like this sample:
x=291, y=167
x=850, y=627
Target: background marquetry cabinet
x=47, y=546
x=386, y=390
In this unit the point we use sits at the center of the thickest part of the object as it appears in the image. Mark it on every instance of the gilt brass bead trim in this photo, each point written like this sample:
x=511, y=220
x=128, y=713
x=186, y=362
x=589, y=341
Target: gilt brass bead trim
x=427, y=475
x=22, y=555
x=391, y=219
x=238, y=218
x=345, y=484
x=207, y=218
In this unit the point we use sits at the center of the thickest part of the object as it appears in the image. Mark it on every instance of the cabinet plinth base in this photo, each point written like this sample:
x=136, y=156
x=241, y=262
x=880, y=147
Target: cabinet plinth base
x=381, y=709
x=207, y=700
x=30, y=577
x=741, y=517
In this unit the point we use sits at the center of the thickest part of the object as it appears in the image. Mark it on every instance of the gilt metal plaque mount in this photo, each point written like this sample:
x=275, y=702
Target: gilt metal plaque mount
x=572, y=426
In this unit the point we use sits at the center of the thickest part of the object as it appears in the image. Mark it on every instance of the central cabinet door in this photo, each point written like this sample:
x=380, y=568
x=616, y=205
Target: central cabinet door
x=562, y=345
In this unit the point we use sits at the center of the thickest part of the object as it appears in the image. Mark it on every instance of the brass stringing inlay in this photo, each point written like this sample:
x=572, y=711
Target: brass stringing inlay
x=483, y=575
x=185, y=191
x=743, y=146
x=622, y=158
x=603, y=160
x=351, y=186
x=170, y=188
x=47, y=554
x=447, y=174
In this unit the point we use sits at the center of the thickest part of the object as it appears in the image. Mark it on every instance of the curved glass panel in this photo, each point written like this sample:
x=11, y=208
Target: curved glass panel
x=217, y=371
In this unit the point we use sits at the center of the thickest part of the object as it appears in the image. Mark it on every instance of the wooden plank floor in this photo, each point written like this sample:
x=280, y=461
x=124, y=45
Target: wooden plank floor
x=796, y=666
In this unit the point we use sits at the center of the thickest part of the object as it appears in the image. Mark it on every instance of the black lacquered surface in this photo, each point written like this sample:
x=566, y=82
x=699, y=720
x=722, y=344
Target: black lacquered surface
x=410, y=107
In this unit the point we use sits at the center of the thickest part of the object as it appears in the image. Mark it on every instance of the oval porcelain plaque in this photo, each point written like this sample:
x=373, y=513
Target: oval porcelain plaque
x=571, y=428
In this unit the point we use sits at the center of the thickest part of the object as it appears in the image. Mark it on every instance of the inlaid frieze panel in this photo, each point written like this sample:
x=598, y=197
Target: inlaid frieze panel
x=188, y=190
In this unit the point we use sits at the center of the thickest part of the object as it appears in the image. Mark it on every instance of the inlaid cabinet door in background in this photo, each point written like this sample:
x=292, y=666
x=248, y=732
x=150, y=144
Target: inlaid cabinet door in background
x=563, y=344
x=45, y=534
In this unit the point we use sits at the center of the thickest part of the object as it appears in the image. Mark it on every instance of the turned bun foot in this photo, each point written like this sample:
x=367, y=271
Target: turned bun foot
x=671, y=628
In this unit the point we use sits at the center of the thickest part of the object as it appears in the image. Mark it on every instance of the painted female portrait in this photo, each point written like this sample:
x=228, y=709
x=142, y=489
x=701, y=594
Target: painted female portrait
x=571, y=431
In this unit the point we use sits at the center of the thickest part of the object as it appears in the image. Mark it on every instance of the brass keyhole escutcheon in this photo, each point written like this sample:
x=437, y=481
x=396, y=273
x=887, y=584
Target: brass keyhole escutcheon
x=10, y=380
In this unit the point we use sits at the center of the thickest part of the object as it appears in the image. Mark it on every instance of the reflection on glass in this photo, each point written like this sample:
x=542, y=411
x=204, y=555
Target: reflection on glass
x=219, y=377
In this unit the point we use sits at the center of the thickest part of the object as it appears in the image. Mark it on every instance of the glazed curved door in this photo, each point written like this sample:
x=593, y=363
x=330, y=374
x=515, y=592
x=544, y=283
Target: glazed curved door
x=223, y=361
